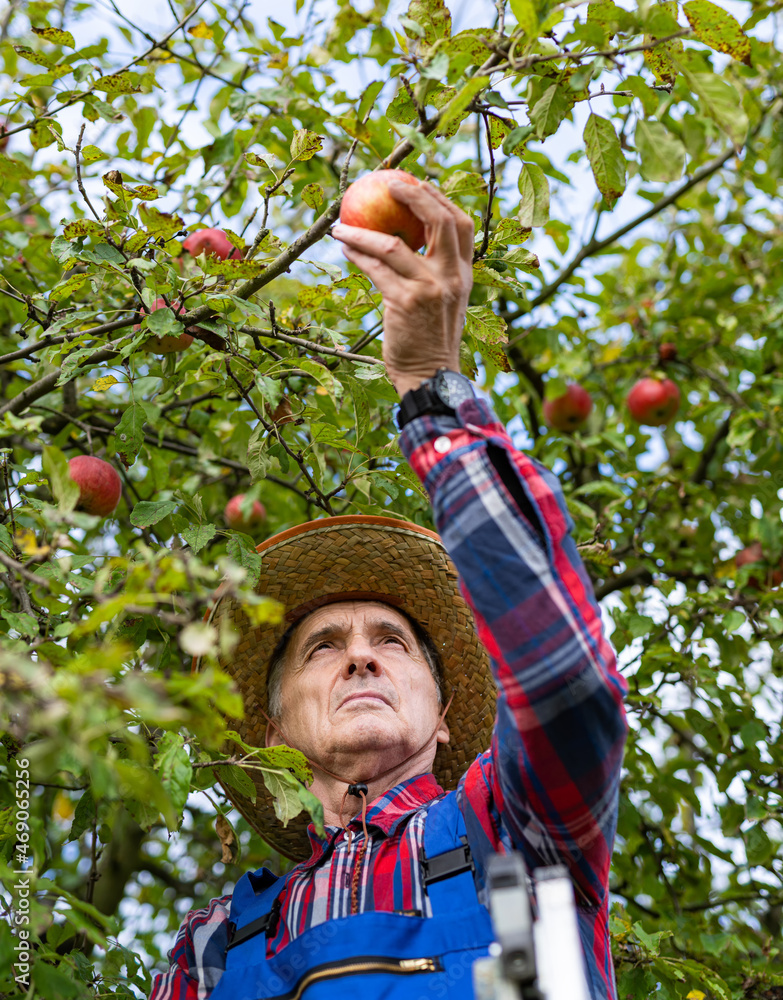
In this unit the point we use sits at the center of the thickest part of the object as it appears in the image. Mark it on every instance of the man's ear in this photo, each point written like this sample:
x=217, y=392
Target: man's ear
x=443, y=735
x=272, y=737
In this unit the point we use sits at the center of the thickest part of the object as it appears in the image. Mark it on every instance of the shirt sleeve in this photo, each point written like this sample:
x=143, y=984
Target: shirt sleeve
x=198, y=958
x=553, y=770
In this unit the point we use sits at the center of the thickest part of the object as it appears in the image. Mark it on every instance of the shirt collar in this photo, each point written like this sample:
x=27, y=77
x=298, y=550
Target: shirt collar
x=385, y=813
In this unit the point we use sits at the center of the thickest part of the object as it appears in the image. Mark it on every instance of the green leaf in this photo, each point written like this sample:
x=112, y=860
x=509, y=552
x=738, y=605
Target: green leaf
x=173, y=765
x=534, y=188
x=305, y=144
x=92, y=153
x=662, y=154
x=129, y=433
x=485, y=325
x=21, y=622
x=285, y=790
x=717, y=28
x=458, y=104
x=527, y=18
x=605, y=156
x=199, y=535
x=758, y=846
x=83, y=816
x=639, y=625
x=733, y=620
x=149, y=512
x=551, y=108
x=313, y=195
x=464, y=182
x=601, y=488
x=720, y=101
x=118, y=83
x=433, y=16
x=64, y=489
x=239, y=779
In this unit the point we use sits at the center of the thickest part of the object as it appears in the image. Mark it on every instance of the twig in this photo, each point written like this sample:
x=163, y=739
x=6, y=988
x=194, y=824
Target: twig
x=308, y=345
x=17, y=567
x=25, y=352
x=321, y=500
x=79, y=182
x=478, y=254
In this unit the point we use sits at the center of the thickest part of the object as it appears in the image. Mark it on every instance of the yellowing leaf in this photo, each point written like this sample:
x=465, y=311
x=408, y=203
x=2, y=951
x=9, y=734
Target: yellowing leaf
x=696, y=995
x=26, y=542
x=103, y=383
x=717, y=28
x=305, y=144
x=200, y=30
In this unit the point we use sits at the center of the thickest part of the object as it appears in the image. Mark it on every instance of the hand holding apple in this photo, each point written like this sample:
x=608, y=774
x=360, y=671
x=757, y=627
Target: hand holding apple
x=369, y=204
x=425, y=297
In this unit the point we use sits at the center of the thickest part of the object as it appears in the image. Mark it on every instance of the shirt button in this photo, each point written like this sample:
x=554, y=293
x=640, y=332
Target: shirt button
x=442, y=445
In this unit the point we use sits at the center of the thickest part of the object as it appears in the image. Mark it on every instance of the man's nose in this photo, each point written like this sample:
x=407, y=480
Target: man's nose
x=360, y=658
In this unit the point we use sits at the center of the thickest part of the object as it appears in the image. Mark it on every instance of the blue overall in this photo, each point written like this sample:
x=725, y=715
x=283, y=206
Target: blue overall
x=375, y=955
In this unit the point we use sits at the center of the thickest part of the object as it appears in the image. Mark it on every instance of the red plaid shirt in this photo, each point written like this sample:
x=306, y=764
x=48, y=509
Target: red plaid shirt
x=548, y=785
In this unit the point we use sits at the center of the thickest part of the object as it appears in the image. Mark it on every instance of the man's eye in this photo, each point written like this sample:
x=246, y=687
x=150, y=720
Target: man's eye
x=393, y=638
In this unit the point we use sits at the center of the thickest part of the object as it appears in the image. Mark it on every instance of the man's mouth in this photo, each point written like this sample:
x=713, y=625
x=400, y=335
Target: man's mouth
x=364, y=696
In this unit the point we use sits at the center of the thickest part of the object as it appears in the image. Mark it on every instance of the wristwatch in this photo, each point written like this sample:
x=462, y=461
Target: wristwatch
x=441, y=394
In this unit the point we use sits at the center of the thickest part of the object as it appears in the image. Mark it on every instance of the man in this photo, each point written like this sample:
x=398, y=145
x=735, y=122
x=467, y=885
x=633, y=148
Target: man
x=378, y=677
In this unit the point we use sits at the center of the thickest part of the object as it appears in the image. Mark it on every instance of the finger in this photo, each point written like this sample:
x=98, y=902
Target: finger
x=389, y=249
x=441, y=226
x=386, y=280
x=465, y=226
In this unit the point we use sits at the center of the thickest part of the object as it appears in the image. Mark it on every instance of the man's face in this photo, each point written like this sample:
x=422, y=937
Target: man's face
x=356, y=682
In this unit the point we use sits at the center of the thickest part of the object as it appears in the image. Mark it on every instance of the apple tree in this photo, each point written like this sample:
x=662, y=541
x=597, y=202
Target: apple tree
x=623, y=164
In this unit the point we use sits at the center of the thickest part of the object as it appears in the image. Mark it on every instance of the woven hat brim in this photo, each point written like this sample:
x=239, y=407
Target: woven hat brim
x=348, y=558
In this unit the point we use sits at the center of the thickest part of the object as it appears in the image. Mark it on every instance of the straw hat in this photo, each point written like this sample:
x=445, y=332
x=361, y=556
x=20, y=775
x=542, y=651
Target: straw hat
x=360, y=557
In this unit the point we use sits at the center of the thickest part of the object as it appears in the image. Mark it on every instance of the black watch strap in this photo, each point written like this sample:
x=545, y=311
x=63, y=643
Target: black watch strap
x=417, y=402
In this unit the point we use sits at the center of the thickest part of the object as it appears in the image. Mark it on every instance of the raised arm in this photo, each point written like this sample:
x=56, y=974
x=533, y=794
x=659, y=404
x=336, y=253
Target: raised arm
x=554, y=768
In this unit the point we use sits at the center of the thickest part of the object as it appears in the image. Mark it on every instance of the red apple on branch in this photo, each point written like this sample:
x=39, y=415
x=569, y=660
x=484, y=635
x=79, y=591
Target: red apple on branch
x=368, y=203
x=236, y=518
x=168, y=343
x=100, y=486
x=754, y=553
x=212, y=242
x=667, y=351
x=653, y=401
x=568, y=411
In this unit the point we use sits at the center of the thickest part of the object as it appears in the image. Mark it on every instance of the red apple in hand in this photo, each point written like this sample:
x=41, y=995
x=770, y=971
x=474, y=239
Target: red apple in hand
x=168, y=343
x=100, y=487
x=235, y=518
x=568, y=411
x=653, y=401
x=754, y=553
x=212, y=242
x=369, y=204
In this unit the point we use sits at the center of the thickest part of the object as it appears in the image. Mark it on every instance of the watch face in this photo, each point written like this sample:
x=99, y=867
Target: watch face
x=453, y=388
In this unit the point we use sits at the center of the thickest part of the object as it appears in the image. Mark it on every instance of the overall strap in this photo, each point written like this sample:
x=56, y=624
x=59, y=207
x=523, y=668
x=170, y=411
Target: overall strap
x=446, y=861
x=255, y=905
